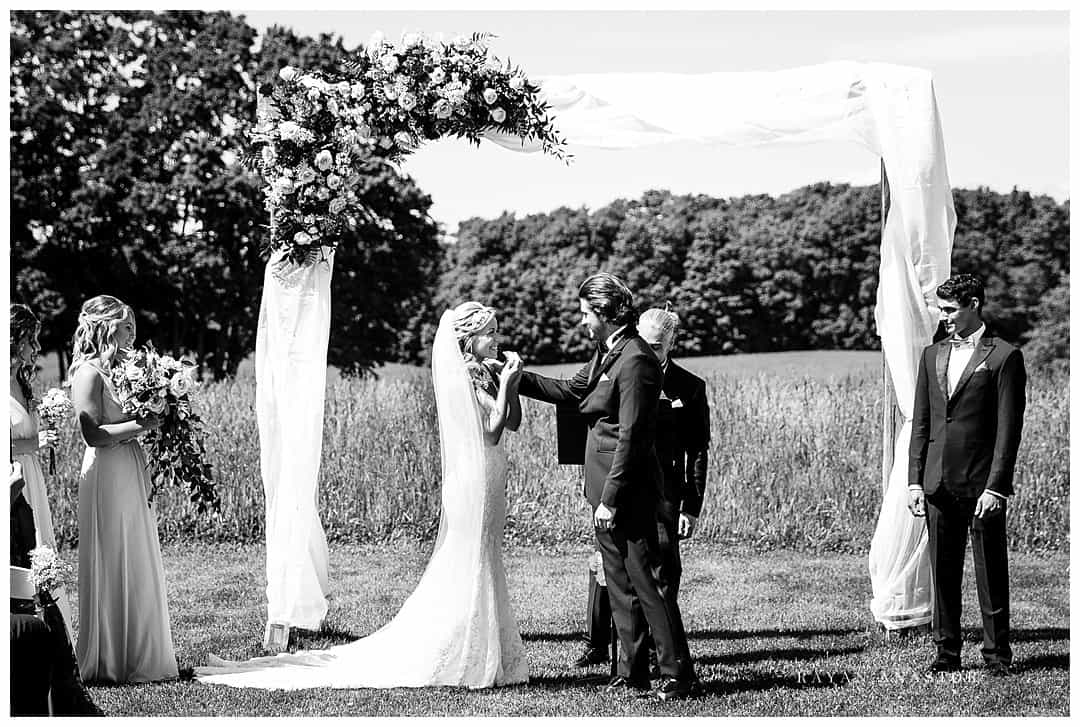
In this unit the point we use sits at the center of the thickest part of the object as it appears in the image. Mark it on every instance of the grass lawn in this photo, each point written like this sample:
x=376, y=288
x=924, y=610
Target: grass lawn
x=773, y=634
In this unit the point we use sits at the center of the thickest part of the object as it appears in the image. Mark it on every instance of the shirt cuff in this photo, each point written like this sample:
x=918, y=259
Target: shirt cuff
x=914, y=486
x=1003, y=498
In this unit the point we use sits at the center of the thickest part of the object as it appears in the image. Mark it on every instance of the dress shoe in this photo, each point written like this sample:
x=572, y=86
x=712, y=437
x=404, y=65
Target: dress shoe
x=671, y=688
x=998, y=669
x=943, y=664
x=621, y=684
x=590, y=657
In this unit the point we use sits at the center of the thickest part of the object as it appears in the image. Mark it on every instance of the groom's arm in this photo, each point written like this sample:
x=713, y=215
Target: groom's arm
x=555, y=391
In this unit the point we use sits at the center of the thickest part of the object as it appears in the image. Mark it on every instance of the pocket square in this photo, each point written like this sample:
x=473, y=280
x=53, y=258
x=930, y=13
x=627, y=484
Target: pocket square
x=604, y=377
x=981, y=367
x=676, y=404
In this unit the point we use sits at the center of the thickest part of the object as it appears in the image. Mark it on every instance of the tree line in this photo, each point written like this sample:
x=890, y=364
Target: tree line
x=125, y=180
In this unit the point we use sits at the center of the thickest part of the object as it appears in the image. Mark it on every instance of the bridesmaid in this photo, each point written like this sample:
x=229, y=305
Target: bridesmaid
x=26, y=438
x=124, y=631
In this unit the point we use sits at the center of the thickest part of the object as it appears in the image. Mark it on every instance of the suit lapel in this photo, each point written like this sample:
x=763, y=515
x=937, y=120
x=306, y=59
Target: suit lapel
x=982, y=351
x=944, y=349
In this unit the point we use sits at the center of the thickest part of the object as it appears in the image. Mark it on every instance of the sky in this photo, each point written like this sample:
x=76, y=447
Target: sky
x=1001, y=80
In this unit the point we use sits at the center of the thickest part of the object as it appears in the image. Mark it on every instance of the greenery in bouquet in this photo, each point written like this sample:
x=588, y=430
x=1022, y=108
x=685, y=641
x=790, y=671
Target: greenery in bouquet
x=151, y=384
x=316, y=127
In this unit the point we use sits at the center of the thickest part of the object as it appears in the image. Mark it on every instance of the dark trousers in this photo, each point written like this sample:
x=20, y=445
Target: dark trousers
x=31, y=665
x=949, y=520
x=642, y=590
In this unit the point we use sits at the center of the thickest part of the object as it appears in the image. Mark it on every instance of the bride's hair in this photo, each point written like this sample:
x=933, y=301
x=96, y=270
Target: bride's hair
x=469, y=319
x=24, y=328
x=95, y=338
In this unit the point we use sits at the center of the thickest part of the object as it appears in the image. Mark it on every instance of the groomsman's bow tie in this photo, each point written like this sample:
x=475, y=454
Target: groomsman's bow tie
x=968, y=342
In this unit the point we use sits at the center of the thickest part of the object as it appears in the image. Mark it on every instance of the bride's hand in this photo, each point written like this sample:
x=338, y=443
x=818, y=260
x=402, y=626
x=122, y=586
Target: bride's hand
x=511, y=370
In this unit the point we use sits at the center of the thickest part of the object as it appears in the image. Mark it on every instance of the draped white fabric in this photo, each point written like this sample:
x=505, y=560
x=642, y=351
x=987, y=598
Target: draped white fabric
x=890, y=110
x=290, y=388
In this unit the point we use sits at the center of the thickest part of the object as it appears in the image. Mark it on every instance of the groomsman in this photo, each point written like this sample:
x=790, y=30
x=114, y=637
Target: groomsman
x=618, y=392
x=968, y=413
x=682, y=444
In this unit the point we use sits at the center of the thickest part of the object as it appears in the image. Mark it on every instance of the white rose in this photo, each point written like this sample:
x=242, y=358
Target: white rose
x=390, y=63
x=390, y=92
x=438, y=75
x=179, y=385
x=517, y=83
x=324, y=160
x=307, y=175
x=332, y=107
x=490, y=95
x=157, y=405
x=337, y=206
x=498, y=115
x=314, y=94
x=407, y=101
x=442, y=109
x=288, y=73
x=302, y=238
x=386, y=142
x=333, y=181
x=357, y=91
x=268, y=154
x=323, y=193
x=284, y=185
x=404, y=140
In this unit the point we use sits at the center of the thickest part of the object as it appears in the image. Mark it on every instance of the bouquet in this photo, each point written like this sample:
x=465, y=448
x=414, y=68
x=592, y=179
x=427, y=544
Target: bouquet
x=47, y=571
x=148, y=383
x=54, y=408
x=317, y=129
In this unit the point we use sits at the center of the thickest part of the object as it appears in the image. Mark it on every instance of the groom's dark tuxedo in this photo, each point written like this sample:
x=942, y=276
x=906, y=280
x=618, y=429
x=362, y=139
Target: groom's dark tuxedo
x=617, y=393
x=964, y=443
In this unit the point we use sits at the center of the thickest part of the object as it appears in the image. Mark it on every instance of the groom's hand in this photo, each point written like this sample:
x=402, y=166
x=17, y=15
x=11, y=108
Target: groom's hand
x=916, y=501
x=604, y=517
x=687, y=523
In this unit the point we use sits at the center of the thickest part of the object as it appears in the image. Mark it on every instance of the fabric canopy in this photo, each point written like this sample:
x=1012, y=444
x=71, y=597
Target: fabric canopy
x=890, y=110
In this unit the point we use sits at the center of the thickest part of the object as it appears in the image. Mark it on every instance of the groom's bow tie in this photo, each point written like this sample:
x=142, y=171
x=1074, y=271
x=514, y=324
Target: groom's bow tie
x=968, y=342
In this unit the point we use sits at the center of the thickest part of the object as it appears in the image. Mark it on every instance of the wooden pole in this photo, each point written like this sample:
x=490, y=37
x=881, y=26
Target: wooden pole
x=888, y=433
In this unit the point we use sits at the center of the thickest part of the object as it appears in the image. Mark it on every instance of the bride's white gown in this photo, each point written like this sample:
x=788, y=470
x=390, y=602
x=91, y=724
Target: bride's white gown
x=457, y=628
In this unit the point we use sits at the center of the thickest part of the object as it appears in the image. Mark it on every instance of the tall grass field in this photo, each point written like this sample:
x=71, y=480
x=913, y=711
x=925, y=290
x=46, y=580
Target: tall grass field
x=795, y=460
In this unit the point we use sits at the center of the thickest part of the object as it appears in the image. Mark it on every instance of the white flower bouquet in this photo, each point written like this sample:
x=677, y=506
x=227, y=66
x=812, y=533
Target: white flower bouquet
x=47, y=571
x=54, y=408
x=148, y=383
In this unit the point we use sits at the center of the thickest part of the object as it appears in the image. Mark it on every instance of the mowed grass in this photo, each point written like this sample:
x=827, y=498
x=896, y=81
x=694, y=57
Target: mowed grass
x=795, y=460
x=777, y=634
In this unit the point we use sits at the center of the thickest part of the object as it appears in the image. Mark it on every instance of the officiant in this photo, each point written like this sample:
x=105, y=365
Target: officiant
x=682, y=444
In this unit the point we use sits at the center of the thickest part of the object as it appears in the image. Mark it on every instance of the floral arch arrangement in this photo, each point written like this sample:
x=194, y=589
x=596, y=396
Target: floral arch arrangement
x=315, y=126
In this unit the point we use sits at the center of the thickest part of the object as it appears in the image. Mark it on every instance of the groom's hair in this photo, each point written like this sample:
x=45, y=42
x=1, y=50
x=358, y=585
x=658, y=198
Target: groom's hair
x=610, y=298
x=962, y=288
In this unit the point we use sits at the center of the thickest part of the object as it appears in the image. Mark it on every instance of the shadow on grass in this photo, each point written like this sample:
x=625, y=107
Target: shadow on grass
x=746, y=657
x=1042, y=662
x=771, y=633
x=1047, y=633
x=715, y=634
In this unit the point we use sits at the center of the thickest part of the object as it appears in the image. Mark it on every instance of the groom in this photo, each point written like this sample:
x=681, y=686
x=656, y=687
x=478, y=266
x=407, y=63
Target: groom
x=618, y=393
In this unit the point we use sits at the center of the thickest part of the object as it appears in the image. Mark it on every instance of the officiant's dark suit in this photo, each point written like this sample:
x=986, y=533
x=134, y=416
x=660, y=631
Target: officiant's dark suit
x=618, y=393
x=965, y=434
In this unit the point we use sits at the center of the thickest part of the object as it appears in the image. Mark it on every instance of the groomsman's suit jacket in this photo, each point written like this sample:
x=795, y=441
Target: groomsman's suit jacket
x=682, y=439
x=617, y=395
x=967, y=442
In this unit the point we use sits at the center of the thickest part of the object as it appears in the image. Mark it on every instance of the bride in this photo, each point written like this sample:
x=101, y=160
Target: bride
x=457, y=628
